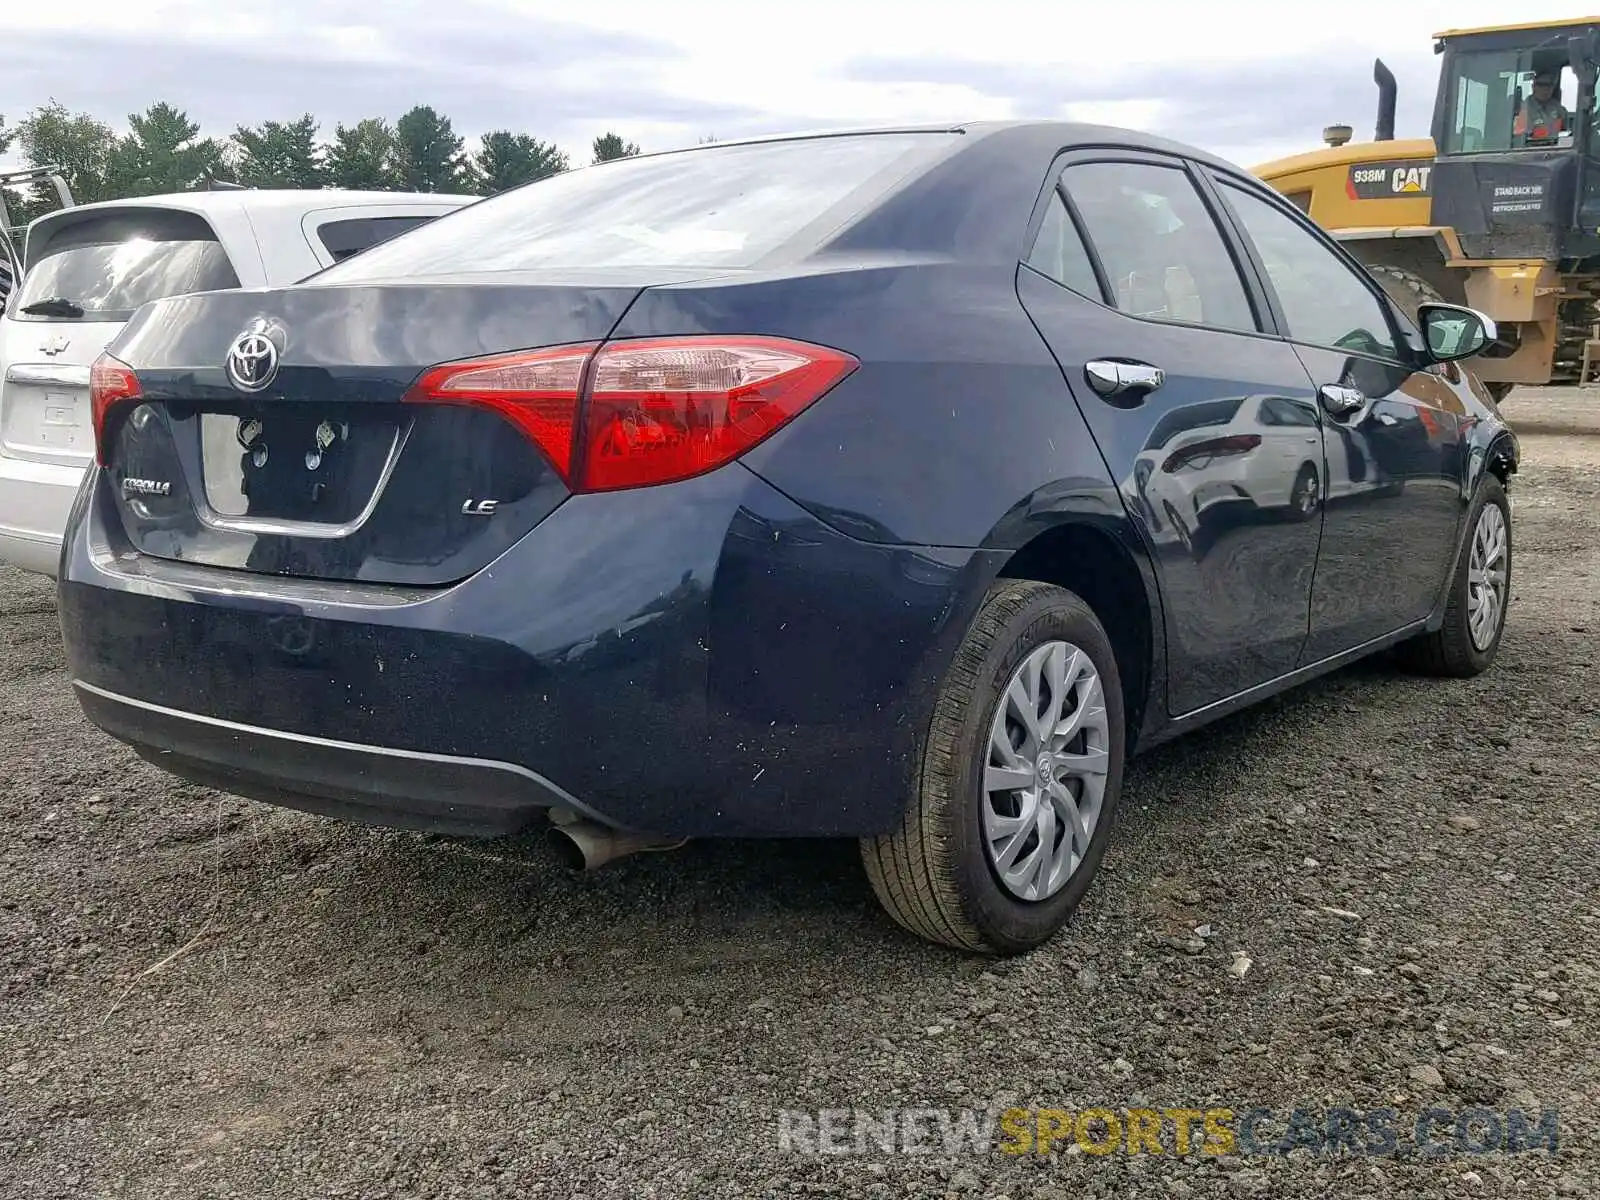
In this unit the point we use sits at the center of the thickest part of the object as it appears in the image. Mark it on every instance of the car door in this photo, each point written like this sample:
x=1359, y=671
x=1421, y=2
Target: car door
x=1392, y=431
x=1161, y=338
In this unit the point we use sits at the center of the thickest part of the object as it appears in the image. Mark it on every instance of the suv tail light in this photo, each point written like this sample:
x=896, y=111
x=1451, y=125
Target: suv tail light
x=112, y=383
x=647, y=411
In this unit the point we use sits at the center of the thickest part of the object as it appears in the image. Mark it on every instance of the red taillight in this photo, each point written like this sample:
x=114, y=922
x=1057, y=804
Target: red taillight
x=643, y=412
x=536, y=390
x=111, y=384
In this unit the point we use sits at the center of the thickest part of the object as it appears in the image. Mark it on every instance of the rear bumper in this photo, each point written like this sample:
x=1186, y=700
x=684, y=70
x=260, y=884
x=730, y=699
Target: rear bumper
x=375, y=785
x=705, y=660
x=35, y=499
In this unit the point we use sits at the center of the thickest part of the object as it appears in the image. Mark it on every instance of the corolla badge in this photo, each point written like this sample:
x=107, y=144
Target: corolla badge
x=147, y=487
x=252, y=362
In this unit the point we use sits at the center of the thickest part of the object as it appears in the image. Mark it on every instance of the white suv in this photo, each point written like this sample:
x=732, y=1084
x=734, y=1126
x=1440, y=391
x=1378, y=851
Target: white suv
x=86, y=269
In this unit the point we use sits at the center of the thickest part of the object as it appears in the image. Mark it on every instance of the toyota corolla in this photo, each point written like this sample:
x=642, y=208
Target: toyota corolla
x=891, y=486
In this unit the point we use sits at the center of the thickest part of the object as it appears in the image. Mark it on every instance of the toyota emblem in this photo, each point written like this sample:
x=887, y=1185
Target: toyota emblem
x=252, y=362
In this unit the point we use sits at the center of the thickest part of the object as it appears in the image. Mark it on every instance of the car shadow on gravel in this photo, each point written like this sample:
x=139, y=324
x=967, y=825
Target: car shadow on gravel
x=387, y=911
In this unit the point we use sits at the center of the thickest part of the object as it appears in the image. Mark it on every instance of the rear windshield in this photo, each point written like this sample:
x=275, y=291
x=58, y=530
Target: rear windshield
x=717, y=206
x=110, y=263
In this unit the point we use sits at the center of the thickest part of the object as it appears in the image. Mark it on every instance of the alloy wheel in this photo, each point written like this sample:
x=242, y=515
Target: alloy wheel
x=1486, y=577
x=1045, y=781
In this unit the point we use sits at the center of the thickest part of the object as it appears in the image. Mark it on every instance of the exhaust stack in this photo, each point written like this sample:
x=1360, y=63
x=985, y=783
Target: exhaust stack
x=587, y=846
x=1388, y=92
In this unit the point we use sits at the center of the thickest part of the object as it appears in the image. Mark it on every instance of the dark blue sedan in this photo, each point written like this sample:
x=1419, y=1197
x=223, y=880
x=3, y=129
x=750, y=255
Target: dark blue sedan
x=891, y=485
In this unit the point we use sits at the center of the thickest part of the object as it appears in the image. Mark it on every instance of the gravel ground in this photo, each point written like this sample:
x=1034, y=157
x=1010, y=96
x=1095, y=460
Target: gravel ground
x=208, y=997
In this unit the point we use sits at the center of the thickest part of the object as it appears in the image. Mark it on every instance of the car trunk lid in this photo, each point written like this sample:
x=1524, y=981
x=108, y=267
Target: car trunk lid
x=271, y=434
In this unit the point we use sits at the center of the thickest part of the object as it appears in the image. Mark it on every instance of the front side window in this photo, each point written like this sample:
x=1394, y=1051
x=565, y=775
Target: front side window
x=1324, y=301
x=1504, y=100
x=1163, y=255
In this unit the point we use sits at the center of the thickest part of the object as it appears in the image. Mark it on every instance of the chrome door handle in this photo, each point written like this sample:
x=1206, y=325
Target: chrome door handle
x=1109, y=378
x=1341, y=401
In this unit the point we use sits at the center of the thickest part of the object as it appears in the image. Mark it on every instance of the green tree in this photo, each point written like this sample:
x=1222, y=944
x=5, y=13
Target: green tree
x=431, y=159
x=76, y=143
x=164, y=152
x=609, y=146
x=506, y=160
x=364, y=155
x=275, y=154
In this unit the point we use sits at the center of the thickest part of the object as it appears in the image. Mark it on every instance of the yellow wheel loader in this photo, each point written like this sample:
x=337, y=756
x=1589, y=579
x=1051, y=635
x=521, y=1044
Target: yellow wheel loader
x=1499, y=209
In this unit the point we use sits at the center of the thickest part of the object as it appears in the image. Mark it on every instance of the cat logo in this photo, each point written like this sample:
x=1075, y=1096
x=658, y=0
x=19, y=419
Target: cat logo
x=1412, y=179
x=1389, y=180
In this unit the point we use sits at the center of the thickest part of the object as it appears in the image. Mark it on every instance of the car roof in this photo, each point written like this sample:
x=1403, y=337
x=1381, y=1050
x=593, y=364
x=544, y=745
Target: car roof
x=1032, y=130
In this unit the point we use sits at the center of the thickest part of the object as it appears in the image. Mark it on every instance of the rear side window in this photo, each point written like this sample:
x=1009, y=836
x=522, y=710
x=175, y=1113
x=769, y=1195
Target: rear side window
x=1059, y=252
x=109, y=263
x=1163, y=255
x=715, y=206
x=355, y=234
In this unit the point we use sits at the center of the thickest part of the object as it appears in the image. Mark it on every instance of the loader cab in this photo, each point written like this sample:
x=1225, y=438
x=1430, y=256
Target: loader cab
x=1514, y=127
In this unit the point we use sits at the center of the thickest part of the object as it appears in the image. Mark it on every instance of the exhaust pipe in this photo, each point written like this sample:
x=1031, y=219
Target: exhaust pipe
x=1388, y=92
x=586, y=846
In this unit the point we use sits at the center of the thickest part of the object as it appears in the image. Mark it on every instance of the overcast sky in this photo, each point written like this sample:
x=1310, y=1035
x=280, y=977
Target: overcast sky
x=1248, y=79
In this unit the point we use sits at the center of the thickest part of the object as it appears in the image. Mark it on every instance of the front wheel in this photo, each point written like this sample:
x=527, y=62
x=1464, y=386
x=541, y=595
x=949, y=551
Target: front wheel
x=1019, y=778
x=1480, y=594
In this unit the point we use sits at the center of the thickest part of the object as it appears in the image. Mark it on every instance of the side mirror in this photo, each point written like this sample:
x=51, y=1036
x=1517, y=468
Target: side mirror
x=1453, y=332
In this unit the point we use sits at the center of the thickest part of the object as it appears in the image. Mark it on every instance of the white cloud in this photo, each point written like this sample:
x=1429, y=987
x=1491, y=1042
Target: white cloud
x=667, y=74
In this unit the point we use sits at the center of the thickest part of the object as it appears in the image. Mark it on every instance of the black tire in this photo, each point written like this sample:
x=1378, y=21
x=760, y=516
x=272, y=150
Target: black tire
x=1449, y=652
x=1408, y=290
x=933, y=874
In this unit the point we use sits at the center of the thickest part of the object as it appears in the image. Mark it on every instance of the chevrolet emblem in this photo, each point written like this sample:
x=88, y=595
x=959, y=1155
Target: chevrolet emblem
x=54, y=346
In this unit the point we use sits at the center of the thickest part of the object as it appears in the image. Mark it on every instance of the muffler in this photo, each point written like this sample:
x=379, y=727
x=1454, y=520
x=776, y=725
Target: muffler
x=586, y=846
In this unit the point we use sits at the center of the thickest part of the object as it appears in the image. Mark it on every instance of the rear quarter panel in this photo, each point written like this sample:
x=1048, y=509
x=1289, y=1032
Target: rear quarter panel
x=912, y=482
x=957, y=429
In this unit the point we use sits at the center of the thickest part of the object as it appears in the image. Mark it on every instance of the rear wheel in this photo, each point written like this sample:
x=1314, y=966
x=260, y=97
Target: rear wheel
x=1019, y=779
x=1480, y=594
